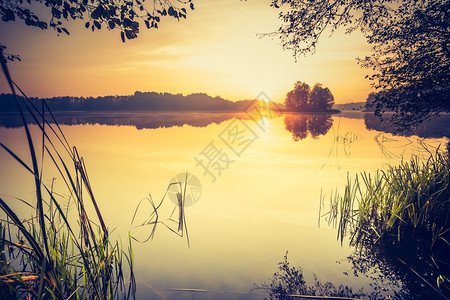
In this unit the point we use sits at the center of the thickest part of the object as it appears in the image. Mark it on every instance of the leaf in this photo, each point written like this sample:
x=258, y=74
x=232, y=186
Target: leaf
x=56, y=13
x=147, y=23
x=96, y=13
x=122, y=36
x=111, y=24
x=65, y=30
x=130, y=34
x=97, y=24
x=86, y=25
x=192, y=6
x=8, y=15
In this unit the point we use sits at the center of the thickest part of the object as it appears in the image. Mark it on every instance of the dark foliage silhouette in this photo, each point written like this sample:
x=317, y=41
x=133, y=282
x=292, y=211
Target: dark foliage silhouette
x=304, y=99
x=111, y=14
x=410, y=56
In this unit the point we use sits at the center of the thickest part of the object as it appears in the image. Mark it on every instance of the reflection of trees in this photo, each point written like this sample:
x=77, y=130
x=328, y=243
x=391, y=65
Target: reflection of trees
x=139, y=120
x=302, y=124
x=403, y=269
x=433, y=128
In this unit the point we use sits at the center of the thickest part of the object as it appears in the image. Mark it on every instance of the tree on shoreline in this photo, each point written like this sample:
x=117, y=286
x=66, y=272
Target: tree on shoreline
x=298, y=98
x=303, y=99
x=321, y=99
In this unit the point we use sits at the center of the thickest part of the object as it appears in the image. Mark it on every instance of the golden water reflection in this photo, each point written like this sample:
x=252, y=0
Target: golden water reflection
x=266, y=202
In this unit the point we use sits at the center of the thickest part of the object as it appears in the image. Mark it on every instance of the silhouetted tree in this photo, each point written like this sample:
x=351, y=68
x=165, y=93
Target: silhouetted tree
x=320, y=99
x=303, y=99
x=111, y=14
x=298, y=98
x=369, y=106
x=412, y=62
x=410, y=38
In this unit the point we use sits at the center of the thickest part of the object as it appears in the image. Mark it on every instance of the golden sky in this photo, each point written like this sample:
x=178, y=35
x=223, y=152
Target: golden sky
x=215, y=51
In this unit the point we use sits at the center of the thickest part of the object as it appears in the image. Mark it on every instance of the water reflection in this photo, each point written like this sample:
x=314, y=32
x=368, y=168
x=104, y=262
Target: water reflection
x=146, y=120
x=302, y=124
x=396, y=272
x=434, y=128
x=390, y=276
x=243, y=223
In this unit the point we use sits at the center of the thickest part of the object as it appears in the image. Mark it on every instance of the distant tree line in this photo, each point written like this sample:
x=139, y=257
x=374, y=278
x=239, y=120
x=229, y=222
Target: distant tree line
x=140, y=101
x=304, y=99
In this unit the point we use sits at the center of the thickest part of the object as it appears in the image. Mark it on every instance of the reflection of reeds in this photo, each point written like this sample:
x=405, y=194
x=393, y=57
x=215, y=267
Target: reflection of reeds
x=385, y=143
x=55, y=254
x=289, y=283
x=406, y=207
x=154, y=219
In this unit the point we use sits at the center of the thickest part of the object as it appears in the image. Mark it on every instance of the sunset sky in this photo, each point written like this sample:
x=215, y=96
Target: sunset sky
x=215, y=51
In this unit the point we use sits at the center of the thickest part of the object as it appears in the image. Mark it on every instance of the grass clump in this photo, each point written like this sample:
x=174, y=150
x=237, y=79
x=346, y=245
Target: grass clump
x=47, y=250
x=401, y=216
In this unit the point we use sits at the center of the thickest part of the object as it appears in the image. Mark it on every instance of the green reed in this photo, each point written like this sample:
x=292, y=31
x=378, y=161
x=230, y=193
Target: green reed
x=404, y=209
x=56, y=254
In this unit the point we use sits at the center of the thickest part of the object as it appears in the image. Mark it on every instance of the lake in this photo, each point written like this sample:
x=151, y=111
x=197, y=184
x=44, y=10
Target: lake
x=255, y=187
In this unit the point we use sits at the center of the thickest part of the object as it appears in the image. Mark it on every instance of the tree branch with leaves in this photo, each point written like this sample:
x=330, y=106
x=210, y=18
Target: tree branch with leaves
x=410, y=54
x=122, y=15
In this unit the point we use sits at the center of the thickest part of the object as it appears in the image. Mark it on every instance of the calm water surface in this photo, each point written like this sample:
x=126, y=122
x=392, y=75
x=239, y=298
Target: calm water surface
x=265, y=200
